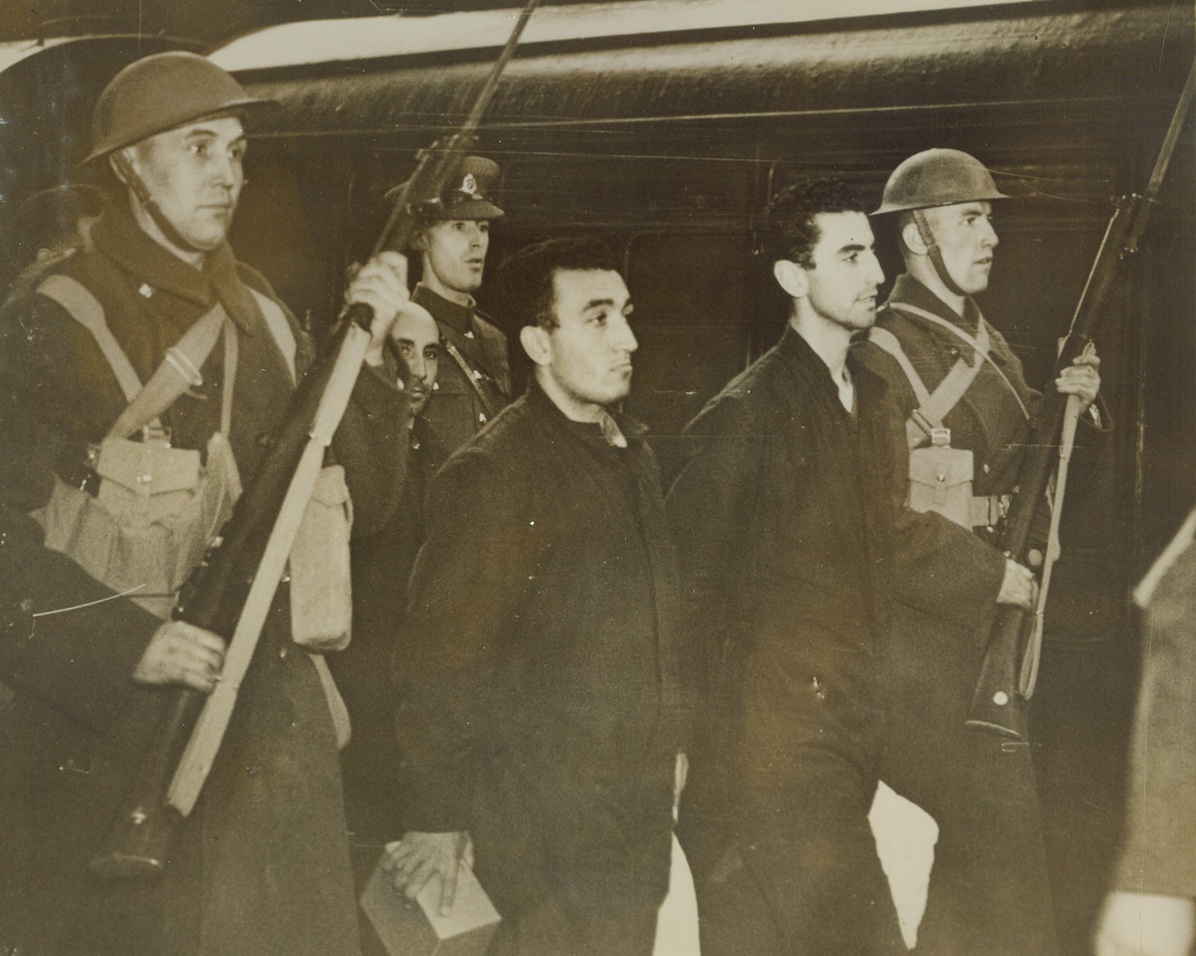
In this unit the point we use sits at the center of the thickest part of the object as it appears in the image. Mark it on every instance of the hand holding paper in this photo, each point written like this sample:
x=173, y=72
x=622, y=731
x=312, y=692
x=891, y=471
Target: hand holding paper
x=415, y=859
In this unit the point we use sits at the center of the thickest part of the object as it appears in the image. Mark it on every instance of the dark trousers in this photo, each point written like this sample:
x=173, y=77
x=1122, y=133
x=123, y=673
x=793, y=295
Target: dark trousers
x=989, y=891
x=806, y=883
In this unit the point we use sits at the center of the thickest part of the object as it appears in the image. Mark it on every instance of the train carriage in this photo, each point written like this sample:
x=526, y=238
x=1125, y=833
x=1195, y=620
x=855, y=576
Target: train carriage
x=665, y=124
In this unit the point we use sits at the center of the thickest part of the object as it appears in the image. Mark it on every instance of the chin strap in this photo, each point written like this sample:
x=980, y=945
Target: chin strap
x=932, y=250
x=141, y=191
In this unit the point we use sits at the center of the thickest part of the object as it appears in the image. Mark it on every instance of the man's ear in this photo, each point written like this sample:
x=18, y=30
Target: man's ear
x=534, y=340
x=911, y=239
x=792, y=278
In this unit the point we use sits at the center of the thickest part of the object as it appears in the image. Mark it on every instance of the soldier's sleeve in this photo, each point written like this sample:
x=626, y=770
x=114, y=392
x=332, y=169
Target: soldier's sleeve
x=709, y=507
x=78, y=656
x=1159, y=852
x=479, y=555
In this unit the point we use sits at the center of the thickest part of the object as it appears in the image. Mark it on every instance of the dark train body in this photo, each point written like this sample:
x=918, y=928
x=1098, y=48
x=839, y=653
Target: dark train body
x=671, y=141
x=666, y=125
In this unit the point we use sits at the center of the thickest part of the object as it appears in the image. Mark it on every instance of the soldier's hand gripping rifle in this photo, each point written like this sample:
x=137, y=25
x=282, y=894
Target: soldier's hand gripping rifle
x=1001, y=699
x=232, y=591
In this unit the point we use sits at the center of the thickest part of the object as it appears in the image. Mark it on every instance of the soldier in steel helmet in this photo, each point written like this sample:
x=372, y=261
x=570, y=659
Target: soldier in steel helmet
x=962, y=391
x=261, y=865
x=475, y=380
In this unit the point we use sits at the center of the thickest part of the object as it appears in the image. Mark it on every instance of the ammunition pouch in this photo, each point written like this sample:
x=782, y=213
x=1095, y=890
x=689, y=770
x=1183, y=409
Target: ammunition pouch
x=940, y=479
x=156, y=508
x=153, y=517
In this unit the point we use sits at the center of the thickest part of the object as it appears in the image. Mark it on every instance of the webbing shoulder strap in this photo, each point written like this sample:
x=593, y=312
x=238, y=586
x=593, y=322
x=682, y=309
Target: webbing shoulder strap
x=178, y=371
x=979, y=343
x=85, y=309
x=932, y=407
x=173, y=377
x=887, y=341
x=279, y=327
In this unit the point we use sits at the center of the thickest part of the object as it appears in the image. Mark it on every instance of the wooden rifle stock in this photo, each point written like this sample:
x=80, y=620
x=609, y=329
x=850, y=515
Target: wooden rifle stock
x=998, y=705
x=138, y=842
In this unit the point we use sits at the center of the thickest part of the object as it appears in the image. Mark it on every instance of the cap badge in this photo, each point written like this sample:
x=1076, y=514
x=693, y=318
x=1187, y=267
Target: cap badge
x=470, y=185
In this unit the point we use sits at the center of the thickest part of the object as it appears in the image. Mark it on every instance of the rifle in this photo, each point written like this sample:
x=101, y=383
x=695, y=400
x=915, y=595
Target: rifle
x=1000, y=702
x=231, y=591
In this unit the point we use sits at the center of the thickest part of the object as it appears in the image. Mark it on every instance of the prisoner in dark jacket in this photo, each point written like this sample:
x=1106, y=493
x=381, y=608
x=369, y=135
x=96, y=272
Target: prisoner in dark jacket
x=540, y=691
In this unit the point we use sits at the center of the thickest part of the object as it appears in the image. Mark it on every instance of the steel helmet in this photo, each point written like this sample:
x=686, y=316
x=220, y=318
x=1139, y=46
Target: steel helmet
x=937, y=177
x=161, y=92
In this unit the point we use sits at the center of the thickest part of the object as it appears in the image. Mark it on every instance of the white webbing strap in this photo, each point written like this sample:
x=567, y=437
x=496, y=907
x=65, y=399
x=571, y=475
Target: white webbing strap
x=888, y=341
x=178, y=371
x=932, y=407
x=279, y=327
x=85, y=309
x=978, y=345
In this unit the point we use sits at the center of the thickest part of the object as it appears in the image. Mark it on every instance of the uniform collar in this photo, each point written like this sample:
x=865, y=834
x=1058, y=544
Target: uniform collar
x=118, y=237
x=908, y=289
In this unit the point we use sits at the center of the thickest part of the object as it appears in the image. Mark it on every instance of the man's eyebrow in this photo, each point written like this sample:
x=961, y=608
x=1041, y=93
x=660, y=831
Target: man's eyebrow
x=853, y=247
x=206, y=133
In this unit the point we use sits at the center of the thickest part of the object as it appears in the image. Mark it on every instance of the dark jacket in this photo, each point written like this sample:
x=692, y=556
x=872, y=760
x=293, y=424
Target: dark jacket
x=381, y=567
x=261, y=865
x=787, y=526
x=539, y=694
x=1159, y=854
x=455, y=411
x=791, y=542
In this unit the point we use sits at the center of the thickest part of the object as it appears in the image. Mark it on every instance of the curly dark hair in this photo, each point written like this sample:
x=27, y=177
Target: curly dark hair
x=792, y=231
x=524, y=282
